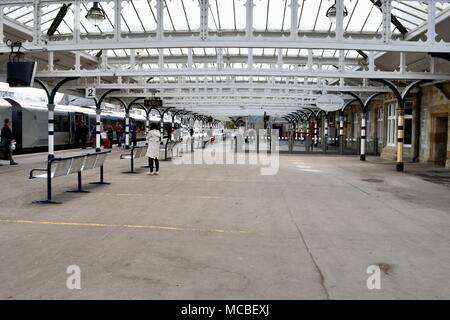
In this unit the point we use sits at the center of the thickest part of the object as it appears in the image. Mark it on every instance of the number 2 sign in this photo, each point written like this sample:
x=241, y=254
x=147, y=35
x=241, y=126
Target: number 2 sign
x=90, y=92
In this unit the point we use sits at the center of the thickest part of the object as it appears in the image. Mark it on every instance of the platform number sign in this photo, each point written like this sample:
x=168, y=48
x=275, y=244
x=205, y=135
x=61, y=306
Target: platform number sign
x=90, y=93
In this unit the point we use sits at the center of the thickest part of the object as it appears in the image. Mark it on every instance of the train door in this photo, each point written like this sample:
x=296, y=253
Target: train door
x=16, y=123
x=78, y=117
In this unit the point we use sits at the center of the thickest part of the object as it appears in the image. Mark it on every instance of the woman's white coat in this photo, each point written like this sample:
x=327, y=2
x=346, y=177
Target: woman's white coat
x=153, y=143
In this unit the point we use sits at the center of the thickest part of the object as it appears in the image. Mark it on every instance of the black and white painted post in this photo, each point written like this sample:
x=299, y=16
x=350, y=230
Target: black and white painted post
x=97, y=129
x=98, y=105
x=362, y=146
x=400, y=96
x=173, y=122
x=127, y=108
x=308, y=136
x=51, y=112
x=127, y=129
x=316, y=138
x=162, y=121
x=300, y=130
x=341, y=121
x=292, y=122
x=362, y=156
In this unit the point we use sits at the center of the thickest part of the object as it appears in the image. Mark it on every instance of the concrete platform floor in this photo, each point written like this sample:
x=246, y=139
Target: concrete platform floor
x=227, y=232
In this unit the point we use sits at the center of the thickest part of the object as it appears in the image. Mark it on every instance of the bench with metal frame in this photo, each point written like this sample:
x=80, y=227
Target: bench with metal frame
x=64, y=166
x=179, y=148
x=135, y=153
x=167, y=149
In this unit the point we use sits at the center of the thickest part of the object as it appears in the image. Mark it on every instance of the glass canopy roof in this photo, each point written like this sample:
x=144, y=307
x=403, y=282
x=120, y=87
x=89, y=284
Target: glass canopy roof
x=227, y=18
x=271, y=16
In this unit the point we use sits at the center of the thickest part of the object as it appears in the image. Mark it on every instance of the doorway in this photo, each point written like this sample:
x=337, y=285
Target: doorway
x=440, y=150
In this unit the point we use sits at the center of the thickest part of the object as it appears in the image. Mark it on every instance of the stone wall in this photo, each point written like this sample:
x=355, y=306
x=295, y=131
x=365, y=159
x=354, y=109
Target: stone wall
x=409, y=152
x=430, y=108
x=434, y=104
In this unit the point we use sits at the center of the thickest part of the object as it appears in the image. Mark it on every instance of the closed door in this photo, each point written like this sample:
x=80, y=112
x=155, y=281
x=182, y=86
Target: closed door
x=440, y=150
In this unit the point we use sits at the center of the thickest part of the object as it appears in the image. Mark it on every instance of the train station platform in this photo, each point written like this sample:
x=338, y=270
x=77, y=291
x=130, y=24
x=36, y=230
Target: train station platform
x=226, y=231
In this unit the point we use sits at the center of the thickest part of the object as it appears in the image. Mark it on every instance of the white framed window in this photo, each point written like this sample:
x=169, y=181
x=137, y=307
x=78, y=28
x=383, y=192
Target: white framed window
x=392, y=124
x=380, y=124
x=408, y=124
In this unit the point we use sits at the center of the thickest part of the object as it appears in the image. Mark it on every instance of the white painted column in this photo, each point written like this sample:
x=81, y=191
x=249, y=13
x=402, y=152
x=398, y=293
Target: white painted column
x=249, y=19
x=160, y=19
x=127, y=129
x=172, y=129
x=431, y=21
x=97, y=129
x=362, y=155
x=294, y=19
x=147, y=124
x=161, y=129
x=315, y=133
x=308, y=138
x=341, y=134
x=51, y=130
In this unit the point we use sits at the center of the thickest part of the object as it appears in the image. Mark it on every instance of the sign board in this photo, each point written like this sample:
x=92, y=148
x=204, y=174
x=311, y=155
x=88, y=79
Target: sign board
x=329, y=102
x=90, y=93
x=156, y=103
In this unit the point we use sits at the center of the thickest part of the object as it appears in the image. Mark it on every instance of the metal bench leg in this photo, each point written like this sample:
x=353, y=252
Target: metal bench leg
x=80, y=187
x=101, y=178
x=49, y=190
x=131, y=165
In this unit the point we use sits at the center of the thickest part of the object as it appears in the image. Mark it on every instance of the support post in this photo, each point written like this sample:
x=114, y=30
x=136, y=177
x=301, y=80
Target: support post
x=51, y=130
x=257, y=141
x=291, y=140
x=97, y=129
x=127, y=128
x=362, y=154
x=400, y=115
x=51, y=111
x=400, y=135
x=98, y=105
x=308, y=137
x=316, y=138
x=147, y=123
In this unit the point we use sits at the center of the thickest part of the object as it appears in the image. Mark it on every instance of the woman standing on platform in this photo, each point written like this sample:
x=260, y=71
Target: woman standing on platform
x=153, y=137
x=6, y=141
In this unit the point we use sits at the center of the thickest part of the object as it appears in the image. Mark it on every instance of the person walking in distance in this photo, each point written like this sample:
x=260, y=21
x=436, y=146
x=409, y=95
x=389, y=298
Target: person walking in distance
x=84, y=133
x=152, y=138
x=133, y=130
x=119, y=134
x=6, y=140
x=110, y=135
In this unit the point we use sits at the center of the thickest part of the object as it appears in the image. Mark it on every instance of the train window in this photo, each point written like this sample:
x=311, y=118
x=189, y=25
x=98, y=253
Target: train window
x=65, y=124
x=62, y=123
x=57, y=123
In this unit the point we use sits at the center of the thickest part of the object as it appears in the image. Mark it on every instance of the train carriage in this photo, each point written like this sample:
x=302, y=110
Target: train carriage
x=29, y=123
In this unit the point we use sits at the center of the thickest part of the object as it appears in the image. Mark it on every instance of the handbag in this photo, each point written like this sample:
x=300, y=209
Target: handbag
x=12, y=145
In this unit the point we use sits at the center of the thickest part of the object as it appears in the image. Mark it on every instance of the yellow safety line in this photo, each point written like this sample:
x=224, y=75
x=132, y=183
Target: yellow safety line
x=132, y=226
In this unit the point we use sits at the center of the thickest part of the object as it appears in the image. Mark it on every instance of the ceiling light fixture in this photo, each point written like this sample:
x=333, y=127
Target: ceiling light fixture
x=95, y=15
x=332, y=12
